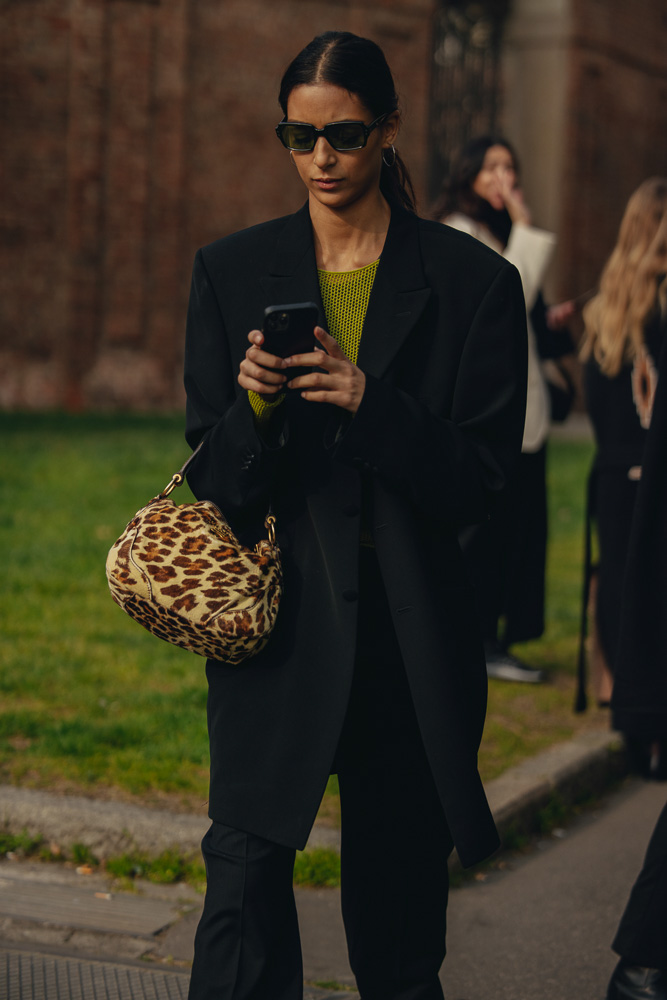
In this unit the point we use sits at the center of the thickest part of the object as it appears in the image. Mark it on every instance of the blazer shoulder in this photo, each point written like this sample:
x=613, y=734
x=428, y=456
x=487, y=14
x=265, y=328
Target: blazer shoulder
x=439, y=237
x=461, y=255
x=238, y=245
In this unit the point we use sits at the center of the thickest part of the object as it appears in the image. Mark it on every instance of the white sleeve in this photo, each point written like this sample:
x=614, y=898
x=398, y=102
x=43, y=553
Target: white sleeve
x=530, y=250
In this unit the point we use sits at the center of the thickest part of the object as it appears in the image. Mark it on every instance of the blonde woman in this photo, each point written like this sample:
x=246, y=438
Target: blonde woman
x=624, y=329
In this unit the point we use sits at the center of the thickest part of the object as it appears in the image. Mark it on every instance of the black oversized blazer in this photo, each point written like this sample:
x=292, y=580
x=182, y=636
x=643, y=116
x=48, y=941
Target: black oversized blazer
x=441, y=421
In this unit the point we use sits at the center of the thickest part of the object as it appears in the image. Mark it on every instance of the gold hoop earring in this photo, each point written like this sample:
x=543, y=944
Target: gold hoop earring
x=389, y=163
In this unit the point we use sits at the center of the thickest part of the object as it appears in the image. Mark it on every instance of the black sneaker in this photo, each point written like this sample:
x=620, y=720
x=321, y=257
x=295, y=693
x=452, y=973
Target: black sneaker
x=504, y=667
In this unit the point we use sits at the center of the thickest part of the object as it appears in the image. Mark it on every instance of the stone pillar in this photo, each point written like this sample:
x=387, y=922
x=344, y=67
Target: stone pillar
x=535, y=70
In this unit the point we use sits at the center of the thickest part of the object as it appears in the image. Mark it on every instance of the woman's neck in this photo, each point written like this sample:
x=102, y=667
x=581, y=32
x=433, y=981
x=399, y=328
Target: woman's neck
x=497, y=221
x=351, y=238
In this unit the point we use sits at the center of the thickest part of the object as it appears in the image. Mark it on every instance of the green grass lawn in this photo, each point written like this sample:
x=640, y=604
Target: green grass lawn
x=90, y=702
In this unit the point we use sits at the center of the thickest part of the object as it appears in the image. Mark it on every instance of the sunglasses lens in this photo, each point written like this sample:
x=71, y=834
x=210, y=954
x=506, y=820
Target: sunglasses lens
x=346, y=135
x=341, y=135
x=297, y=136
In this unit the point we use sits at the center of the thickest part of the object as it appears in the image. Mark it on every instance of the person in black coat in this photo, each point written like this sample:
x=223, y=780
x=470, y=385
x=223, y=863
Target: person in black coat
x=639, y=705
x=625, y=330
x=506, y=556
x=371, y=460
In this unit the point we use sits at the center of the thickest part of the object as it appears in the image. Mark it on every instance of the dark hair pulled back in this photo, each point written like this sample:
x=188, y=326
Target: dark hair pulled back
x=359, y=66
x=457, y=193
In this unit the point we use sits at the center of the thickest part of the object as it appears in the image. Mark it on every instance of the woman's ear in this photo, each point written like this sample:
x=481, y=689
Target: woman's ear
x=390, y=127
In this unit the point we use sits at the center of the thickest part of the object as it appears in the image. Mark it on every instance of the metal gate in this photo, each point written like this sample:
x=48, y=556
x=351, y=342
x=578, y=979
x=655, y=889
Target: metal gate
x=465, y=90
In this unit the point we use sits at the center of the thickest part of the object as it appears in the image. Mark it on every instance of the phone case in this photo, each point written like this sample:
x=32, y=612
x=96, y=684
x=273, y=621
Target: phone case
x=288, y=329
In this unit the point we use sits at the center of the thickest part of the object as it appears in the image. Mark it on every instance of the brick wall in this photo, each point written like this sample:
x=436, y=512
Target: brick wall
x=34, y=266
x=132, y=133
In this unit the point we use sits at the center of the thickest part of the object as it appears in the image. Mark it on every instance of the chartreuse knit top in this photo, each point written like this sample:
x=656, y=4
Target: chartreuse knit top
x=345, y=296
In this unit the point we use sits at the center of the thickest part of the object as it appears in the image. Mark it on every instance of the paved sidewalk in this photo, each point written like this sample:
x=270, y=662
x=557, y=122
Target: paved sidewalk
x=66, y=935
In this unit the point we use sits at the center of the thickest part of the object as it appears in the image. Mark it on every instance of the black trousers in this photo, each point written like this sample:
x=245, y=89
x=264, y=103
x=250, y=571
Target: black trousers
x=394, y=849
x=506, y=556
x=641, y=938
x=615, y=498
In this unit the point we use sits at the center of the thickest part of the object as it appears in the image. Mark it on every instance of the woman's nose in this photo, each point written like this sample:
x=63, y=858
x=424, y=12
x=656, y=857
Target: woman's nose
x=323, y=152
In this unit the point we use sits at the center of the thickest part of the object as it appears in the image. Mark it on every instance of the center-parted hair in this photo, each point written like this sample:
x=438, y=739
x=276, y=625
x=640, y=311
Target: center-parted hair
x=357, y=65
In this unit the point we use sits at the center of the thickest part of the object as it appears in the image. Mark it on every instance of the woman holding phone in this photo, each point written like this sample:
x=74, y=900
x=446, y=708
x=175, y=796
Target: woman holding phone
x=403, y=423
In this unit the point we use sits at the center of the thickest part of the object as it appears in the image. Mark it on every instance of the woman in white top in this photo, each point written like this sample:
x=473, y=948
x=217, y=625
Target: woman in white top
x=507, y=557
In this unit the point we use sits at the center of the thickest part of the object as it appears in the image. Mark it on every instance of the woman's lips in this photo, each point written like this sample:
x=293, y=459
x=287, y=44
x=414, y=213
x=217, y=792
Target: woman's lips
x=326, y=183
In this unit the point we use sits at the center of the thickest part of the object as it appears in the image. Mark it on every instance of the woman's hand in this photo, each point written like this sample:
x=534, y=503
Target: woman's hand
x=558, y=315
x=260, y=371
x=513, y=198
x=341, y=382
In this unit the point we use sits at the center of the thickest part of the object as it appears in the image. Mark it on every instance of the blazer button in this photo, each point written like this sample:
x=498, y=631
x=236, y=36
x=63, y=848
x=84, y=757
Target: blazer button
x=351, y=595
x=351, y=509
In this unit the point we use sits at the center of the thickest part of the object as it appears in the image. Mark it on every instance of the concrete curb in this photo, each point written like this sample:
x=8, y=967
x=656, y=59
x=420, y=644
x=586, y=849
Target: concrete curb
x=571, y=771
x=568, y=772
x=107, y=828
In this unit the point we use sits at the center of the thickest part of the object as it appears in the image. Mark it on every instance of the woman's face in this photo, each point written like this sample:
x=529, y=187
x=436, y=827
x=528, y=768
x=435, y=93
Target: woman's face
x=497, y=175
x=338, y=179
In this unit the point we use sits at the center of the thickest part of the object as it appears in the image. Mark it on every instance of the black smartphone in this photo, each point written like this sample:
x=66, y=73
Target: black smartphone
x=289, y=329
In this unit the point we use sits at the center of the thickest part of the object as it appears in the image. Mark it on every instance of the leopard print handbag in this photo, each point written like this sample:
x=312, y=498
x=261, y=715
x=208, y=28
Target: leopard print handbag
x=179, y=570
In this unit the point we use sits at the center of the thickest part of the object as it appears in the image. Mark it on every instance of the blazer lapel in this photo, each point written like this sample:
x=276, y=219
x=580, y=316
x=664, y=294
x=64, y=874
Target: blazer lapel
x=399, y=292
x=398, y=297
x=293, y=271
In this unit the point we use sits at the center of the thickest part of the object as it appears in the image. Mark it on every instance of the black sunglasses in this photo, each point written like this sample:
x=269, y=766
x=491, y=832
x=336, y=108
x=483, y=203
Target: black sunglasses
x=343, y=136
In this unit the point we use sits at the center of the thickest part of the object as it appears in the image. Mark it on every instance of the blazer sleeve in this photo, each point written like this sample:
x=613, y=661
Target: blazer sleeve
x=235, y=464
x=530, y=250
x=451, y=467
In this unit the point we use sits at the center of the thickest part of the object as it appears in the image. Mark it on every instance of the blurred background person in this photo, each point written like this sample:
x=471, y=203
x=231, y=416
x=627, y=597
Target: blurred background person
x=624, y=330
x=639, y=700
x=506, y=557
